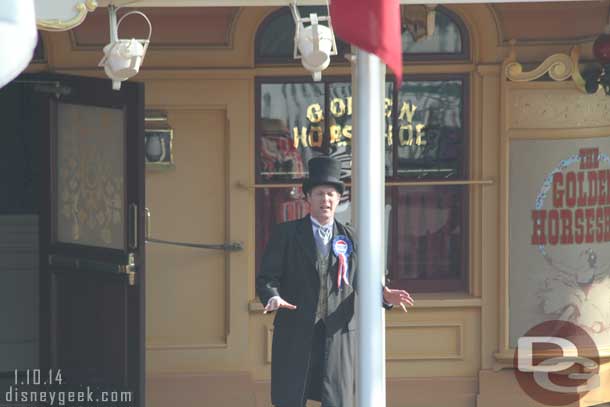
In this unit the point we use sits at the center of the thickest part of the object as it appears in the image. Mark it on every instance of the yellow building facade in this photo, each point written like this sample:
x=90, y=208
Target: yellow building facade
x=207, y=340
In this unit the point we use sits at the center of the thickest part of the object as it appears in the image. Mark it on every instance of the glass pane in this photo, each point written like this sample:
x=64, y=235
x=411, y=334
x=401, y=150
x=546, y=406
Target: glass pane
x=340, y=123
x=446, y=39
x=430, y=236
x=291, y=129
x=279, y=205
x=431, y=129
x=90, y=173
x=276, y=38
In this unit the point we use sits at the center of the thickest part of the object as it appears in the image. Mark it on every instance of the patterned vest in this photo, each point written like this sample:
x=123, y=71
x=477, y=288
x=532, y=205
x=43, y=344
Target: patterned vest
x=323, y=266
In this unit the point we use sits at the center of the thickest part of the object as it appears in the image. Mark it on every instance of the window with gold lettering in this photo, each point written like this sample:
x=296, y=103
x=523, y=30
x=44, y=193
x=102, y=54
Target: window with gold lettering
x=428, y=232
x=426, y=140
x=430, y=129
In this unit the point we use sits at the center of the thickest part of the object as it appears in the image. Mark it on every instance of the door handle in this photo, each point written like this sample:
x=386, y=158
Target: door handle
x=133, y=234
x=227, y=247
x=147, y=224
x=59, y=263
x=130, y=269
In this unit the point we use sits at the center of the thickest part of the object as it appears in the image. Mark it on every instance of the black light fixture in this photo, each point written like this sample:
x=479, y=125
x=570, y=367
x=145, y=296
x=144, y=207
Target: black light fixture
x=599, y=75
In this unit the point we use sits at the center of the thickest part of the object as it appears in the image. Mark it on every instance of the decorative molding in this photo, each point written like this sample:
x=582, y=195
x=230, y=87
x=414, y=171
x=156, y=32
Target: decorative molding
x=488, y=70
x=579, y=81
x=576, y=76
x=457, y=327
x=509, y=26
x=268, y=342
x=81, y=9
x=458, y=340
x=90, y=37
x=545, y=105
x=424, y=301
x=497, y=23
x=212, y=387
x=505, y=358
x=559, y=67
x=157, y=346
x=233, y=28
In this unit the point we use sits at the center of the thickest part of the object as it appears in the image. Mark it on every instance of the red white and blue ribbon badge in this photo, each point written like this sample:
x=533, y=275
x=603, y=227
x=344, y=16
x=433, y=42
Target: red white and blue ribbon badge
x=342, y=247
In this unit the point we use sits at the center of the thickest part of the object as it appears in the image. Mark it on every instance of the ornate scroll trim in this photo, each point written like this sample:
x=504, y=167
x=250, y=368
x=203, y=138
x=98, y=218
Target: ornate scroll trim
x=57, y=25
x=576, y=75
x=559, y=67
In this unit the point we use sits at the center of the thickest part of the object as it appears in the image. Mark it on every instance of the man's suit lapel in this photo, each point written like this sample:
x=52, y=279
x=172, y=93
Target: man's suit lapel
x=305, y=238
x=337, y=230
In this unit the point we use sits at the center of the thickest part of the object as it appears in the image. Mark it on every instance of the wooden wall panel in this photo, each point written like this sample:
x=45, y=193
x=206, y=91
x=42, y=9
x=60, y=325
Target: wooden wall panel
x=18, y=291
x=187, y=204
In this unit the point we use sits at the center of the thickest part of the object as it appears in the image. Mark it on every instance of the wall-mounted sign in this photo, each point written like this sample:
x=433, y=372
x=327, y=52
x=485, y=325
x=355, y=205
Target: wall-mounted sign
x=559, y=221
x=62, y=15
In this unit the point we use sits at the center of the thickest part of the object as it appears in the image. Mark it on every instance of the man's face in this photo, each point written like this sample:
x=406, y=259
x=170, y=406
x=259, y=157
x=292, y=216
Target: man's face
x=323, y=201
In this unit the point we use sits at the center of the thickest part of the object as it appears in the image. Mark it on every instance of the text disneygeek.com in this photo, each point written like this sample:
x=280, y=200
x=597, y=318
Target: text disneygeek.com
x=85, y=397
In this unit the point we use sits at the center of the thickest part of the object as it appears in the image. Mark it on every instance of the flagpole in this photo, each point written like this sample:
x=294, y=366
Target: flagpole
x=369, y=196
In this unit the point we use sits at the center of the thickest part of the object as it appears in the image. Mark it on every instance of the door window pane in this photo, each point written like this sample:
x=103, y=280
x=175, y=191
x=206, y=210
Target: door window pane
x=91, y=170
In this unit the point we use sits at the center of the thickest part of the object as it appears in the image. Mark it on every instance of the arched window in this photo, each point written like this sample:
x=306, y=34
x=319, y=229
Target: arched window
x=426, y=138
x=449, y=40
x=275, y=38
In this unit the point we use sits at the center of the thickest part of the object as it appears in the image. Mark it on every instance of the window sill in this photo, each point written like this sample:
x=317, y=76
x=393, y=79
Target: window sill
x=423, y=300
x=446, y=300
x=506, y=358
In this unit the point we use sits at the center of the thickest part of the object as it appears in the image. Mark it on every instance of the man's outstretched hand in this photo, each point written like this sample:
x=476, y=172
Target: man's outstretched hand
x=276, y=303
x=397, y=297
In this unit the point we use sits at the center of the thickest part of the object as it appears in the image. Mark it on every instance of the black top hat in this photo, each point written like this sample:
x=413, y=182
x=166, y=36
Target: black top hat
x=323, y=171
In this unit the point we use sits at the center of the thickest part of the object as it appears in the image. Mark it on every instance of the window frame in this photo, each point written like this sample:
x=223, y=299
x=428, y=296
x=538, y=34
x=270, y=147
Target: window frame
x=335, y=60
x=447, y=284
x=339, y=60
x=414, y=285
x=435, y=57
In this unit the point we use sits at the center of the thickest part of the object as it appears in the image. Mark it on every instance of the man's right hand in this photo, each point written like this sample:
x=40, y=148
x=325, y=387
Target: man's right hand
x=275, y=303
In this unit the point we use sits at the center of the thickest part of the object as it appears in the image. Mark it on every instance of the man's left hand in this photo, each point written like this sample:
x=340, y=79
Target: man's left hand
x=397, y=297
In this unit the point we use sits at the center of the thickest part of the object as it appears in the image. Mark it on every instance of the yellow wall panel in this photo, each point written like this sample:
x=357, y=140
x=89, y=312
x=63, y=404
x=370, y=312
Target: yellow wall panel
x=433, y=342
x=412, y=341
x=201, y=331
x=190, y=283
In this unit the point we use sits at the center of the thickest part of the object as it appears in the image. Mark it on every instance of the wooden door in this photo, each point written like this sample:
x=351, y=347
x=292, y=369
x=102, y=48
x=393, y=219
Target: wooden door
x=92, y=236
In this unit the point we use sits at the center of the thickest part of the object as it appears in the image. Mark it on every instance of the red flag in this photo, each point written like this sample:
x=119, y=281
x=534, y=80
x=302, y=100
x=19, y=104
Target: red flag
x=373, y=26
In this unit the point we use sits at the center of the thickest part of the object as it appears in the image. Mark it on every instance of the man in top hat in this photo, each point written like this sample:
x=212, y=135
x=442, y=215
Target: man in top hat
x=308, y=274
